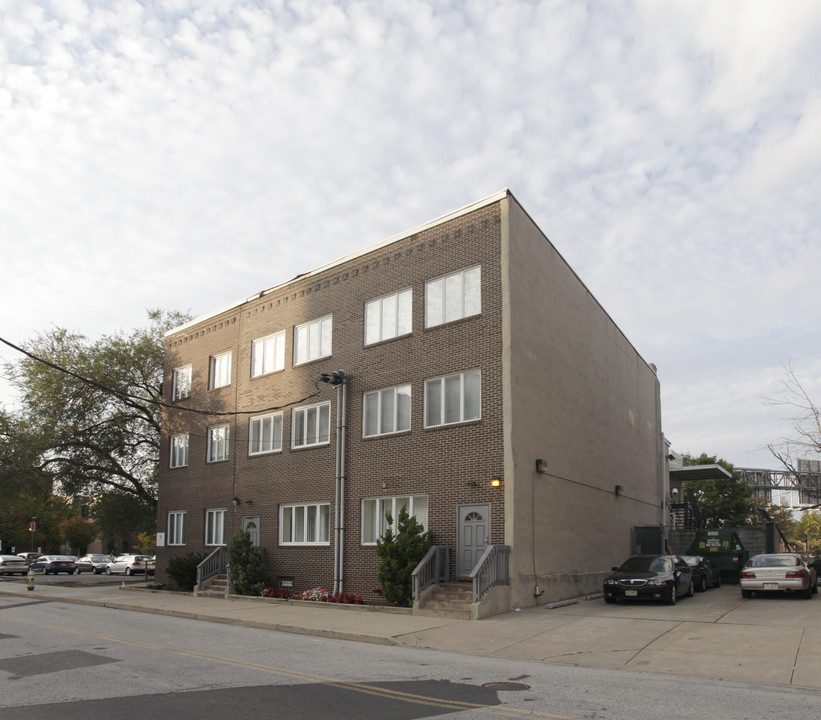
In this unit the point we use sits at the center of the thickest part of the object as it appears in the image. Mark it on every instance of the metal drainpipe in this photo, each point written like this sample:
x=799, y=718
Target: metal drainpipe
x=341, y=380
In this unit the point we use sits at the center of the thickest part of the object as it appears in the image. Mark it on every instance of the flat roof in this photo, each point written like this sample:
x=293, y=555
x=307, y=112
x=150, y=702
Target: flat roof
x=699, y=472
x=489, y=200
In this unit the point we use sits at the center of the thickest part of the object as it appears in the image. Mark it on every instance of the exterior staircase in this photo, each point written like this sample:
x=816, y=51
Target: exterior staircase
x=451, y=600
x=216, y=587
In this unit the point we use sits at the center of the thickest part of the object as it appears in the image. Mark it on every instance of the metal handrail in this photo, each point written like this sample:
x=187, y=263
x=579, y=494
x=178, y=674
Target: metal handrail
x=492, y=569
x=215, y=564
x=432, y=569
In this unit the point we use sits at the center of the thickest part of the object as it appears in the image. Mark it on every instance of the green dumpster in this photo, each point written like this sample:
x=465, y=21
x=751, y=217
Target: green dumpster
x=723, y=548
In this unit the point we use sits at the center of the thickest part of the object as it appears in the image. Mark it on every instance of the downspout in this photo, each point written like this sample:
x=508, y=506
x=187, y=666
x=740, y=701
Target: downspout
x=340, y=379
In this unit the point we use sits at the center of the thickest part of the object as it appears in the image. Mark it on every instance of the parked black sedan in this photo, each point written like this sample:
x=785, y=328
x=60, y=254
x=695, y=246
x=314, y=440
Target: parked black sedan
x=650, y=577
x=705, y=574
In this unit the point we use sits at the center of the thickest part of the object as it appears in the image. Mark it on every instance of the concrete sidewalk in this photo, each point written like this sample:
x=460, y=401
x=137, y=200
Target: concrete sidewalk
x=717, y=634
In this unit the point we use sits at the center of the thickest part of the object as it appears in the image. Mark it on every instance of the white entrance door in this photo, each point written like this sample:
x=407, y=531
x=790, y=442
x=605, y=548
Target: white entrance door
x=474, y=536
x=251, y=525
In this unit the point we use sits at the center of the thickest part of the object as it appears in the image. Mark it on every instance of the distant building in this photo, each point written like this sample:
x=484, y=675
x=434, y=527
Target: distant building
x=484, y=388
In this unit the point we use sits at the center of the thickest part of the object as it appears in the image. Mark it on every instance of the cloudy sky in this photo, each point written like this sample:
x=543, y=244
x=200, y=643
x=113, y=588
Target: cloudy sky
x=184, y=154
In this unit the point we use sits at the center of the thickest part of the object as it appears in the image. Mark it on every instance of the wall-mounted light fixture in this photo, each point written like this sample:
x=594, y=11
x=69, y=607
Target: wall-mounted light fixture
x=541, y=466
x=618, y=490
x=496, y=482
x=384, y=484
x=236, y=501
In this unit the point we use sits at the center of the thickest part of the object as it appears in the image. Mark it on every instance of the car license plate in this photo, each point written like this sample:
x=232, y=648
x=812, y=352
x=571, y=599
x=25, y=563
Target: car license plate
x=771, y=586
x=631, y=593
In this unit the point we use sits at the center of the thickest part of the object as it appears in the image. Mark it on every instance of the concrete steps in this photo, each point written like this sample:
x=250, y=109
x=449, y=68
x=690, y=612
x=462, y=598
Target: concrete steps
x=216, y=587
x=451, y=600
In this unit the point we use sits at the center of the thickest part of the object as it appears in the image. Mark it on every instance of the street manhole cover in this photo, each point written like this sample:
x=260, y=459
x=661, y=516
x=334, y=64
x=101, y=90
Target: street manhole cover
x=505, y=686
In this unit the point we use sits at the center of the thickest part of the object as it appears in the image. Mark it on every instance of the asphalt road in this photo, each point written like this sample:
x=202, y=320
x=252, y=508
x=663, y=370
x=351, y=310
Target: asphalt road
x=61, y=660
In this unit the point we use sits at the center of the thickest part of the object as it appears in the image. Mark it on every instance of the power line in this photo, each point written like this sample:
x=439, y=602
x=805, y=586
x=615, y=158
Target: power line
x=159, y=403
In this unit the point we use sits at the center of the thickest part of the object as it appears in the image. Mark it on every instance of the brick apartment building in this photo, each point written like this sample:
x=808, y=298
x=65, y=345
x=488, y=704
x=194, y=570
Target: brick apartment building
x=469, y=350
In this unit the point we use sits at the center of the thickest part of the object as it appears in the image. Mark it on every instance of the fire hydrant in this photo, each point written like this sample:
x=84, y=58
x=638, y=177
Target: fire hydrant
x=30, y=579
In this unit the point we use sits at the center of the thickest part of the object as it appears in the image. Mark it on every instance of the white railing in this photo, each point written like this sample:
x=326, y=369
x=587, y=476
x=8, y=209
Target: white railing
x=433, y=569
x=492, y=569
x=215, y=564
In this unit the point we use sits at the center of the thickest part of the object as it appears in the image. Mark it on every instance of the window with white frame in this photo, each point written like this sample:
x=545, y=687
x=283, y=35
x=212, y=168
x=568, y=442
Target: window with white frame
x=218, y=439
x=387, y=411
x=313, y=340
x=453, y=297
x=175, y=533
x=453, y=398
x=265, y=434
x=311, y=425
x=305, y=524
x=388, y=317
x=220, y=370
x=179, y=450
x=268, y=354
x=182, y=383
x=374, y=514
x=215, y=526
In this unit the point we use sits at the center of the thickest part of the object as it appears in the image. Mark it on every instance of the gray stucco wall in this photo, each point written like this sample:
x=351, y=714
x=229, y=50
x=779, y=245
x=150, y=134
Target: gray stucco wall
x=578, y=395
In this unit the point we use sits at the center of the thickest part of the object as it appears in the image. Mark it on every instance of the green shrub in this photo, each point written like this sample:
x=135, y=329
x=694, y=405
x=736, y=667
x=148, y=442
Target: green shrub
x=182, y=569
x=248, y=569
x=400, y=553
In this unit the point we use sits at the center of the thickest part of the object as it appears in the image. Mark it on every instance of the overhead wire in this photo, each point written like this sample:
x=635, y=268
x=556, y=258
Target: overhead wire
x=160, y=403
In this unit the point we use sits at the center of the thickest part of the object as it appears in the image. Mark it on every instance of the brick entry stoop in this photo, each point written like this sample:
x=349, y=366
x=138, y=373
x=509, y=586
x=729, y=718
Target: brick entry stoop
x=450, y=600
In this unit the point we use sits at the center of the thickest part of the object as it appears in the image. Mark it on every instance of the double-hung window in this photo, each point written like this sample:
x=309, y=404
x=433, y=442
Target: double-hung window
x=305, y=524
x=311, y=425
x=176, y=528
x=374, y=514
x=182, y=383
x=215, y=526
x=220, y=370
x=453, y=297
x=218, y=439
x=387, y=411
x=313, y=340
x=388, y=317
x=268, y=354
x=265, y=434
x=179, y=450
x=453, y=398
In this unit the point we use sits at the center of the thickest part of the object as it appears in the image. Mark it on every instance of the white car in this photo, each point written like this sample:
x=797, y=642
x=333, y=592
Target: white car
x=10, y=564
x=778, y=572
x=128, y=564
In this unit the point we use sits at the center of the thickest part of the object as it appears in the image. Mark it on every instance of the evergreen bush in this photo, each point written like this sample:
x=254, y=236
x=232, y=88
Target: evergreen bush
x=400, y=553
x=248, y=570
x=182, y=569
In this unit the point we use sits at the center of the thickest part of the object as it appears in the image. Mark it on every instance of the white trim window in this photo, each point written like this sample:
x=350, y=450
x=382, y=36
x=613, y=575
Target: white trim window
x=453, y=297
x=374, y=522
x=218, y=441
x=453, y=399
x=220, y=374
x=305, y=524
x=265, y=434
x=387, y=411
x=268, y=354
x=313, y=340
x=181, y=383
x=215, y=526
x=179, y=451
x=175, y=533
x=311, y=425
x=388, y=317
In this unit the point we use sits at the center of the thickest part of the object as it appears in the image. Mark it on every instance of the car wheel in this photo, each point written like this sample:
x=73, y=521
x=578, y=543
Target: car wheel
x=71, y=572
x=702, y=585
x=672, y=596
x=807, y=595
x=128, y=571
x=718, y=581
x=108, y=571
x=815, y=589
x=746, y=593
x=690, y=590
x=610, y=600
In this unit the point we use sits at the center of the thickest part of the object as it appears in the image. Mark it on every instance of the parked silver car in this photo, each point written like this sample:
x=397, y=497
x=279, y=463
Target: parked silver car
x=10, y=564
x=778, y=572
x=128, y=564
x=93, y=563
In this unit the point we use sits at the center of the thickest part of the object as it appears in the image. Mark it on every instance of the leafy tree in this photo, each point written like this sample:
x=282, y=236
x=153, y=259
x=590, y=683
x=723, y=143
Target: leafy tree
x=724, y=502
x=78, y=532
x=121, y=516
x=808, y=530
x=400, y=553
x=147, y=543
x=783, y=517
x=104, y=434
x=805, y=439
x=248, y=569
